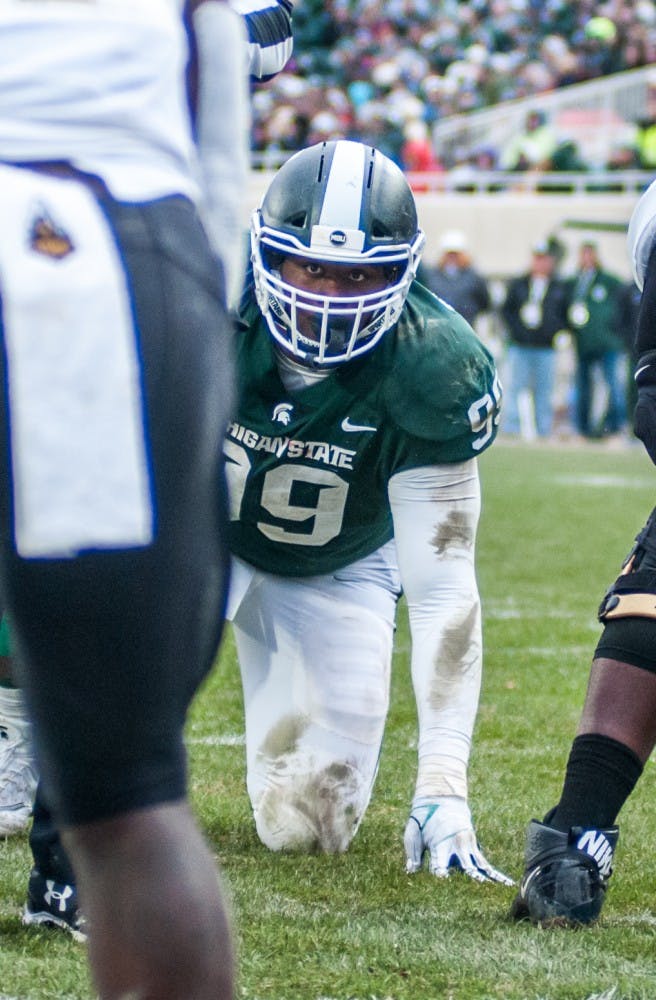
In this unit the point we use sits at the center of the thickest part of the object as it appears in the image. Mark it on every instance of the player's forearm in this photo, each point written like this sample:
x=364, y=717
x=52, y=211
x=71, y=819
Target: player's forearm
x=223, y=139
x=435, y=520
x=269, y=30
x=446, y=676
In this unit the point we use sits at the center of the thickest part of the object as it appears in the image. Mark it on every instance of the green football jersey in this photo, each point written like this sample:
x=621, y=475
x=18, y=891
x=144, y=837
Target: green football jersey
x=308, y=470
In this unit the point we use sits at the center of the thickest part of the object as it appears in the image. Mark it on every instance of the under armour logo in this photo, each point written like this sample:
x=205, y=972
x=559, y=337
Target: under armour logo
x=282, y=413
x=58, y=896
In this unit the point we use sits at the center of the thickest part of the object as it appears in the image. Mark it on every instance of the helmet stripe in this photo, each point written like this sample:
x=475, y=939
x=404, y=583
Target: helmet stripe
x=343, y=195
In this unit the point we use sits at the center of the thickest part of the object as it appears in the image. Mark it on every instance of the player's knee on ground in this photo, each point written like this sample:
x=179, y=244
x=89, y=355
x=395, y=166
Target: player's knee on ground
x=312, y=812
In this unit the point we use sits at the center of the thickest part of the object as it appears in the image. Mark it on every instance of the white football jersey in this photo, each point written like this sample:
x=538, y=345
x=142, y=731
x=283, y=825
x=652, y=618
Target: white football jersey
x=99, y=83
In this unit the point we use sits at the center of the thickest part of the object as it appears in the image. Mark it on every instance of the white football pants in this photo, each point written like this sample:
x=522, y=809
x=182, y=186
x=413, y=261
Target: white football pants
x=315, y=656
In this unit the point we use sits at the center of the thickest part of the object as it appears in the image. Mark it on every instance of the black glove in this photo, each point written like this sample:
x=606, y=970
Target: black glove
x=644, y=419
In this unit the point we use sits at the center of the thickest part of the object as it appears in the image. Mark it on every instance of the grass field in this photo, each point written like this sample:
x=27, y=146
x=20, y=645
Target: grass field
x=556, y=524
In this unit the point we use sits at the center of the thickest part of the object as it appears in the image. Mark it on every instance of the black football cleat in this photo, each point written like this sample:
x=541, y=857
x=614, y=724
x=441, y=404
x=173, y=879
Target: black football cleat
x=53, y=904
x=566, y=875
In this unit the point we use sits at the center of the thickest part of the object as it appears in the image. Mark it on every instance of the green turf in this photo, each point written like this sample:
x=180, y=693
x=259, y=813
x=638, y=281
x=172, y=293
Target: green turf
x=556, y=524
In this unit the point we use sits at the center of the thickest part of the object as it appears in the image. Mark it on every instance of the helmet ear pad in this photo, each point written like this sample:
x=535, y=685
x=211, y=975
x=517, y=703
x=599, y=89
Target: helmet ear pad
x=338, y=202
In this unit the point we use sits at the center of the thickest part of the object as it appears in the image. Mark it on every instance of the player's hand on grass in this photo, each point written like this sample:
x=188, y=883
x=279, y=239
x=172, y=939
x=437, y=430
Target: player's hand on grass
x=442, y=829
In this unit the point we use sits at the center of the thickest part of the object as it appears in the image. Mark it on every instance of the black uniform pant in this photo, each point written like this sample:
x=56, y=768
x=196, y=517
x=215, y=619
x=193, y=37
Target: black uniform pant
x=111, y=645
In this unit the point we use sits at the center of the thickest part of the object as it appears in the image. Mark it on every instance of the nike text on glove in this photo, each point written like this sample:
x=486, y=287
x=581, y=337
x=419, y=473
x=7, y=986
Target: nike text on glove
x=442, y=828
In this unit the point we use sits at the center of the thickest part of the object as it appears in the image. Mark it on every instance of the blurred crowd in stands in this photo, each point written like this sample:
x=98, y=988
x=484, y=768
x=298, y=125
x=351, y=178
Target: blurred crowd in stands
x=387, y=73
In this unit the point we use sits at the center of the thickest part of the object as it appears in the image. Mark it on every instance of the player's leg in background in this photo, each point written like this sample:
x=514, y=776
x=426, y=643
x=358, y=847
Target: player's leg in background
x=569, y=854
x=617, y=729
x=613, y=366
x=584, y=385
x=51, y=894
x=543, y=389
x=52, y=898
x=518, y=383
x=315, y=658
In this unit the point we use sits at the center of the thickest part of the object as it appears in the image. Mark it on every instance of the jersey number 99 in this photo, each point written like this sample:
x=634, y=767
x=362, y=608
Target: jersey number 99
x=324, y=519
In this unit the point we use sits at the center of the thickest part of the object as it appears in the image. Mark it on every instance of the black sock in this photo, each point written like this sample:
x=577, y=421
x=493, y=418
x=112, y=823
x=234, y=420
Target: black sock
x=601, y=774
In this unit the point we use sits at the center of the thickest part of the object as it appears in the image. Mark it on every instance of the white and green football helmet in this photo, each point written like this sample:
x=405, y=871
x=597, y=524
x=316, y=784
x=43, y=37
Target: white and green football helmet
x=339, y=202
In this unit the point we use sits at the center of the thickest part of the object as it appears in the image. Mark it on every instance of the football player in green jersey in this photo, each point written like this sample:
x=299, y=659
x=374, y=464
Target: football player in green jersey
x=364, y=402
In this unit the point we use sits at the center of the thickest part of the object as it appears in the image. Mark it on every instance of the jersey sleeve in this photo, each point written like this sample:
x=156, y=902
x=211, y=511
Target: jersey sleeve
x=222, y=140
x=442, y=389
x=269, y=30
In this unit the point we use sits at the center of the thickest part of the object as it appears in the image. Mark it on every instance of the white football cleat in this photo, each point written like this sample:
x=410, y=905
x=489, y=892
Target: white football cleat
x=18, y=773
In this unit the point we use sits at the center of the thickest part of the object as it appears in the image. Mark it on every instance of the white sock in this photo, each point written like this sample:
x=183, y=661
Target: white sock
x=12, y=706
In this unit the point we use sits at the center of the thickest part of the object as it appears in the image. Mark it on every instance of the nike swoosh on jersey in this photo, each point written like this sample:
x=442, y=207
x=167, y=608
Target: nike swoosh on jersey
x=349, y=427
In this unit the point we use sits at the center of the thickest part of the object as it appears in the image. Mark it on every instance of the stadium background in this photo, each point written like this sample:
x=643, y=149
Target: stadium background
x=501, y=228
x=464, y=76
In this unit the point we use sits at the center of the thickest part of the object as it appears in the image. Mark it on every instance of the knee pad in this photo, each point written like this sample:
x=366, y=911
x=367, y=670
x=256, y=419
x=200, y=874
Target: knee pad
x=633, y=595
x=311, y=813
x=628, y=609
x=282, y=825
x=629, y=640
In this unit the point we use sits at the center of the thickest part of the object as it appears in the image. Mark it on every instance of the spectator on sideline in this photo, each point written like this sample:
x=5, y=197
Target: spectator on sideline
x=455, y=279
x=593, y=316
x=534, y=311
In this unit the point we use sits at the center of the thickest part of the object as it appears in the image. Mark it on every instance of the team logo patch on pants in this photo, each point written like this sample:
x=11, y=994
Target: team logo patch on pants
x=80, y=473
